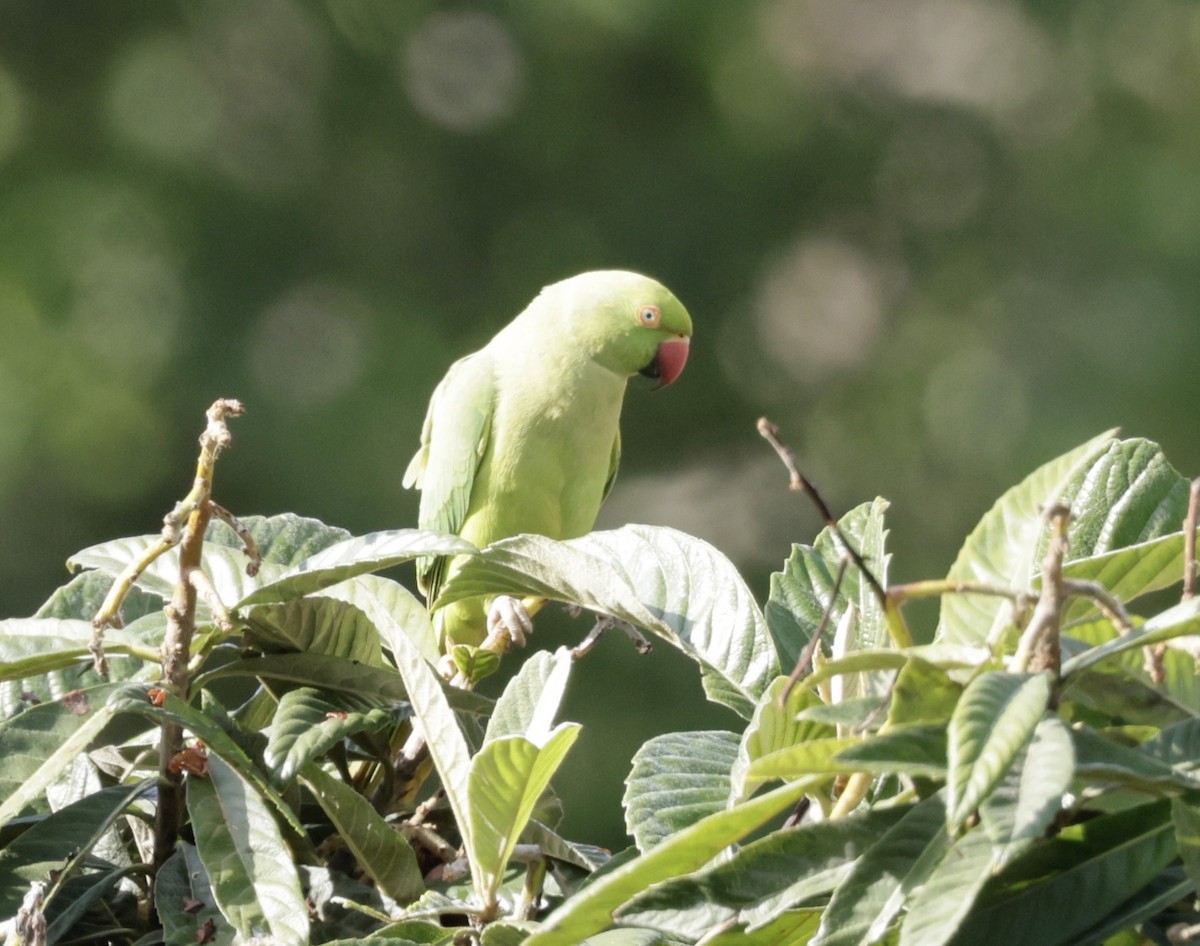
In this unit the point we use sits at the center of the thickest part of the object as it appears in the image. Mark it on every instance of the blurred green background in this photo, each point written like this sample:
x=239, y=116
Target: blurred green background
x=938, y=241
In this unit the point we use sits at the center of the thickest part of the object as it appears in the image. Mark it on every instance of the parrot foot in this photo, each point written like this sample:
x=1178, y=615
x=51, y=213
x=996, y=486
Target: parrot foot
x=606, y=622
x=508, y=615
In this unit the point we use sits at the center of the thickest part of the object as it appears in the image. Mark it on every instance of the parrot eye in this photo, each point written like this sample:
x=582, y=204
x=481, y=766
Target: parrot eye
x=649, y=316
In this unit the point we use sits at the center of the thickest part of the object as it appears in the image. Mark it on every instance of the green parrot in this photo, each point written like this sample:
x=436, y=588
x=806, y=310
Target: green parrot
x=523, y=435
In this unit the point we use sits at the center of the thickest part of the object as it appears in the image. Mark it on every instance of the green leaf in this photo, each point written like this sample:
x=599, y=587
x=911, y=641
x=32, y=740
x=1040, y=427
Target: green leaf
x=914, y=751
x=922, y=693
x=591, y=910
x=531, y=699
x=181, y=880
x=1185, y=813
x=305, y=727
x=333, y=674
x=285, y=539
x=375, y=595
x=992, y=723
x=794, y=928
x=872, y=893
x=250, y=868
x=81, y=597
x=507, y=778
x=316, y=625
x=1029, y=797
x=1003, y=548
x=1178, y=621
x=225, y=566
x=773, y=727
x=22, y=736
x=427, y=693
x=1101, y=760
x=1130, y=571
x=1057, y=889
x=768, y=876
x=817, y=756
x=676, y=780
x=938, y=907
x=61, y=839
x=30, y=647
x=217, y=741
x=670, y=583
x=355, y=556
x=379, y=848
x=801, y=593
x=1178, y=746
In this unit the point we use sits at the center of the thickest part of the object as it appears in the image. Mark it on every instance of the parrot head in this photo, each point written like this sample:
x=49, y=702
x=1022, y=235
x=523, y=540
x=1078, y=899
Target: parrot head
x=629, y=323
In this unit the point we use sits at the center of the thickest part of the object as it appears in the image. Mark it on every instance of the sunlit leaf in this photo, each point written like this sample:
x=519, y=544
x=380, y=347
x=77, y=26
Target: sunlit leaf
x=354, y=556
x=378, y=847
x=306, y=726
x=938, y=907
x=250, y=868
x=773, y=727
x=874, y=890
x=507, y=778
x=531, y=699
x=677, y=779
x=993, y=721
x=1178, y=621
x=591, y=910
x=1003, y=548
x=670, y=583
x=316, y=625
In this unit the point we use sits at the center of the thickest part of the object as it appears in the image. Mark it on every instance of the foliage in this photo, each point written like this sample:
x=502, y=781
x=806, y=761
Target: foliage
x=1028, y=776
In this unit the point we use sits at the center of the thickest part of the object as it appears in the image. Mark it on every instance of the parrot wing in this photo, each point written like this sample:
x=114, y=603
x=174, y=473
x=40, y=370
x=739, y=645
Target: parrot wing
x=613, y=462
x=453, y=441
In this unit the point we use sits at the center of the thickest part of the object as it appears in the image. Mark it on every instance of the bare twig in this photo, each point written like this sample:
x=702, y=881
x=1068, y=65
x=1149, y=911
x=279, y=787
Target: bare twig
x=893, y=617
x=604, y=624
x=1040, y=648
x=181, y=622
x=799, y=483
x=1189, y=541
x=249, y=546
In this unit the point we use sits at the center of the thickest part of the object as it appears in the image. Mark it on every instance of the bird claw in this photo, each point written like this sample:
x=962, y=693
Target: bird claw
x=509, y=615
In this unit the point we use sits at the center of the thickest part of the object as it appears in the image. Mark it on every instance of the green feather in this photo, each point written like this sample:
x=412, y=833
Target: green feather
x=523, y=435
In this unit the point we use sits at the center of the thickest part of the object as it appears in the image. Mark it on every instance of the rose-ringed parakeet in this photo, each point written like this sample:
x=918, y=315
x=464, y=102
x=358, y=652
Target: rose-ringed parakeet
x=522, y=436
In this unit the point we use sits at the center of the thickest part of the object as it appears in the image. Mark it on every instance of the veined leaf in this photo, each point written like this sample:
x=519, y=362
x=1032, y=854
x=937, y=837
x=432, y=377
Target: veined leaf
x=316, y=625
x=250, y=868
x=1059, y=888
x=874, y=890
x=338, y=675
x=938, y=906
x=81, y=597
x=1129, y=571
x=801, y=593
x=379, y=848
x=508, y=776
x=355, y=556
x=305, y=727
x=30, y=647
x=1027, y=799
x=531, y=699
x=1179, y=621
x=992, y=723
x=1101, y=760
x=225, y=566
x=65, y=836
x=375, y=595
x=793, y=928
x=676, y=780
x=672, y=584
x=774, y=727
x=591, y=910
x=768, y=876
x=180, y=880
x=20, y=735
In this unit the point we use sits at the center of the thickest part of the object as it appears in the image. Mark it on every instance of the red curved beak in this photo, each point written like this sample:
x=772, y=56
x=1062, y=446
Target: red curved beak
x=672, y=356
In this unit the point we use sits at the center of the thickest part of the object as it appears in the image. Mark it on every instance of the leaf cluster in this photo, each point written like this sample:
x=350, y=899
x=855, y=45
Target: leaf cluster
x=1028, y=776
